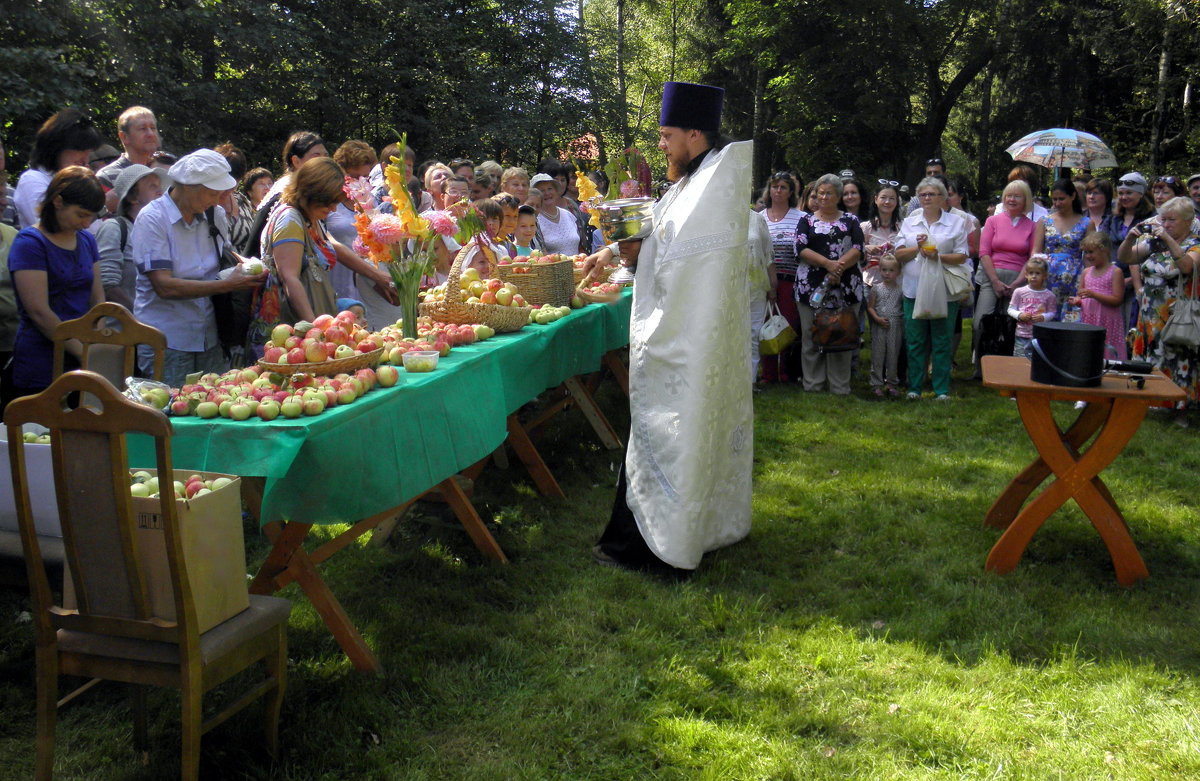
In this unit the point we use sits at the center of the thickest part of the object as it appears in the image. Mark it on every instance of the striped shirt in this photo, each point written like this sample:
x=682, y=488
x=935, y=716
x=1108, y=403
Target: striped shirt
x=783, y=240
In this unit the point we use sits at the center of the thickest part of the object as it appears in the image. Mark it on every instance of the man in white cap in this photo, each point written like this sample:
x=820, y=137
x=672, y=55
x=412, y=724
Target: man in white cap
x=685, y=487
x=177, y=252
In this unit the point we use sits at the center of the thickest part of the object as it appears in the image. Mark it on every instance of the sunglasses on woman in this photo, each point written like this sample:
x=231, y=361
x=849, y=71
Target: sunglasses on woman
x=888, y=182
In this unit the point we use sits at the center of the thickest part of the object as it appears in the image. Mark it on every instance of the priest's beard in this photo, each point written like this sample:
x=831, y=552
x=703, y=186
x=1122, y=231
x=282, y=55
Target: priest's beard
x=677, y=169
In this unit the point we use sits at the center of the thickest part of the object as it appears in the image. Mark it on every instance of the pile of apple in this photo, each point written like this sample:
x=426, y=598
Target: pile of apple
x=326, y=338
x=603, y=289
x=240, y=394
x=475, y=290
x=145, y=484
x=547, y=314
x=35, y=439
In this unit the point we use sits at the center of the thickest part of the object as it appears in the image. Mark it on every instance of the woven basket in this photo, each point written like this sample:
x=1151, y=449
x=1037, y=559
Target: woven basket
x=593, y=298
x=326, y=368
x=502, y=319
x=541, y=283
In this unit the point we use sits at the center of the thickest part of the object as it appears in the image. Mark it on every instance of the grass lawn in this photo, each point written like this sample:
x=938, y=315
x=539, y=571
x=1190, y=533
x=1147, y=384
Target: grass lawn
x=854, y=634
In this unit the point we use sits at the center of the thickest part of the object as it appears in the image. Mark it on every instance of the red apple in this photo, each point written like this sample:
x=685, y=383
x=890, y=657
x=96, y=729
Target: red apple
x=314, y=351
x=387, y=376
x=322, y=321
x=493, y=285
x=296, y=355
x=292, y=342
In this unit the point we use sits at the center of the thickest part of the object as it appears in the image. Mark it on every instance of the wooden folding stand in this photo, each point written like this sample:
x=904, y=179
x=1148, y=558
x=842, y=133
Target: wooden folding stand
x=289, y=562
x=1113, y=414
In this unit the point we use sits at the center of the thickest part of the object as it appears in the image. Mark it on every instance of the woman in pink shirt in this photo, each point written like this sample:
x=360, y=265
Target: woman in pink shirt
x=1004, y=248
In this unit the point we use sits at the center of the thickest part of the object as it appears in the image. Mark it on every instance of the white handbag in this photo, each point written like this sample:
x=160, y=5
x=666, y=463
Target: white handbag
x=776, y=334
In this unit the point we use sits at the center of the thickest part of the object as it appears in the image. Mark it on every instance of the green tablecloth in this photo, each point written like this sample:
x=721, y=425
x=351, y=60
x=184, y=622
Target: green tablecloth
x=351, y=462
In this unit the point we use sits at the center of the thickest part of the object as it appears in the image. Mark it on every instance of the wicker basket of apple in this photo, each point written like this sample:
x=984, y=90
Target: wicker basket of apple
x=543, y=279
x=600, y=293
x=491, y=302
x=331, y=344
x=253, y=392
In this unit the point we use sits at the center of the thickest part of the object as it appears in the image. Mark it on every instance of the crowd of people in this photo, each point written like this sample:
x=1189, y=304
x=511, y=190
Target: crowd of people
x=1111, y=254
x=153, y=232
x=162, y=235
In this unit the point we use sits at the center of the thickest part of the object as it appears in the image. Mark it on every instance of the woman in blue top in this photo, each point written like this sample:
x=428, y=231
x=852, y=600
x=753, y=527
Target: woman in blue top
x=55, y=270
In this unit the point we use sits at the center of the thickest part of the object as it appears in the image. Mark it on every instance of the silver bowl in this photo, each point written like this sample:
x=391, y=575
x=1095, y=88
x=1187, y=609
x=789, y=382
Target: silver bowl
x=626, y=219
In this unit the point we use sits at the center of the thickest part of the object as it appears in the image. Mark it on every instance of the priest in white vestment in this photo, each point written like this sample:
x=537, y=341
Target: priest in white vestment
x=685, y=487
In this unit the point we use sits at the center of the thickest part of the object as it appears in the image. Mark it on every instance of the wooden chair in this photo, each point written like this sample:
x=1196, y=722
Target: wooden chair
x=112, y=634
x=94, y=330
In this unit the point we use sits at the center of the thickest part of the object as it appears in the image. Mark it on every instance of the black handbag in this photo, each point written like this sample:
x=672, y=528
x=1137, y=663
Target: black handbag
x=232, y=310
x=997, y=331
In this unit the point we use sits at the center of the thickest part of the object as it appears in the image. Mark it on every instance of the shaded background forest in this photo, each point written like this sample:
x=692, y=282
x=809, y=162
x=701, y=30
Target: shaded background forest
x=876, y=85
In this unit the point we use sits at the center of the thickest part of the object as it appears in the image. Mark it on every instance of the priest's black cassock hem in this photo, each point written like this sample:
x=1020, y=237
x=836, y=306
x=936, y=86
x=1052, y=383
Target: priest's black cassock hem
x=623, y=541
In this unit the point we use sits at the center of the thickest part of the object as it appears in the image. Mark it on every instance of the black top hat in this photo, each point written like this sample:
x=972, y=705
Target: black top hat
x=691, y=106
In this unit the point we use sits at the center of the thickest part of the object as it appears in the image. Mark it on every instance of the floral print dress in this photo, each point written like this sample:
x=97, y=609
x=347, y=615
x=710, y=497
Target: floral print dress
x=831, y=239
x=1160, y=280
x=1066, y=263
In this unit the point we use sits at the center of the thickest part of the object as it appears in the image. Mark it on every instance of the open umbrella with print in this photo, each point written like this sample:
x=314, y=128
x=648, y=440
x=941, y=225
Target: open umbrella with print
x=1063, y=148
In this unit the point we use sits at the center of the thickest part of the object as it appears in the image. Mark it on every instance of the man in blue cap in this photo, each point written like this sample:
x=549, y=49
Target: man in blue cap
x=685, y=487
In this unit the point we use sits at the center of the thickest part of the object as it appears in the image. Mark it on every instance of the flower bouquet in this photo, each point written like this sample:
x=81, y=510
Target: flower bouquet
x=399, y=238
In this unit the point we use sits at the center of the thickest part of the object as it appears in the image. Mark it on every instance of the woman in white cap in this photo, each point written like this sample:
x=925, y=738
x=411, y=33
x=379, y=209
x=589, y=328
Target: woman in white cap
x=560, y=231
x=135, y=187
x=177, y=243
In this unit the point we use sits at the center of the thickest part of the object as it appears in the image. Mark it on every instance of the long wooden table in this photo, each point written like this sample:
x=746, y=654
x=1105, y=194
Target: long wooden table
x=366, y=462
x=1113, y=414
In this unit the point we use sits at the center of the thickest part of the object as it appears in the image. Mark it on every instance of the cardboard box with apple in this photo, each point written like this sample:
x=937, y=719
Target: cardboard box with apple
x=214, y=551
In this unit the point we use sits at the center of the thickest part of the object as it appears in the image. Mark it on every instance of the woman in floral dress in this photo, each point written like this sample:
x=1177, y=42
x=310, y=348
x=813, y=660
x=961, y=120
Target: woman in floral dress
x=1167, y=254
x=828, y=245
x=1058, y=236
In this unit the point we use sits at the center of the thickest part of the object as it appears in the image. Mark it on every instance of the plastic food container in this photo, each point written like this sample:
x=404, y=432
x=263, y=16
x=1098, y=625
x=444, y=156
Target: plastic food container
x=420, y=360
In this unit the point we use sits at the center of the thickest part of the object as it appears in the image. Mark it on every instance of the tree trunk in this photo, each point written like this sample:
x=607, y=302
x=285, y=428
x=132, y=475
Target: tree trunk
x=1159, y=126
x=622, y=103
x=985, y=133
x=589, y=75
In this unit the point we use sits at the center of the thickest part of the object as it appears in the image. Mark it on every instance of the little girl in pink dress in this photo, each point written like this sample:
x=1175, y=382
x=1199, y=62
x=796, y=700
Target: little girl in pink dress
x=1101, y=291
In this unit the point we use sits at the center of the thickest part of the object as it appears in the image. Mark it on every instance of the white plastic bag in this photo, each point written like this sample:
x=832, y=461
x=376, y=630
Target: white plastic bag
x=930, y=303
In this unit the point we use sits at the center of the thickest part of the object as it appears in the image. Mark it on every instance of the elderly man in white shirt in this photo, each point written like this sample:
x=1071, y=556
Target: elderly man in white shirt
x=178, y=259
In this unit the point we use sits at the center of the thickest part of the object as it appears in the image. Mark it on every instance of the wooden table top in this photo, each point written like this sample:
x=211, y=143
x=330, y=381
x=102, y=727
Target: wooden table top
x=1010, y=375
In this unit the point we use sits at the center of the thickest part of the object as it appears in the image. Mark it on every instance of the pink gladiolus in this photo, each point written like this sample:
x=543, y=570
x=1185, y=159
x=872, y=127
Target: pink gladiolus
x=388, y=229
x=359, y=248
x=443, y=224
x=359, y=191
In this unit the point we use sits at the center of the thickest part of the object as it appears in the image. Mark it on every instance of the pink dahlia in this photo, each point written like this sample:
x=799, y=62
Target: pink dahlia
x=443, y=223
x=388, y=229
x=630, y=188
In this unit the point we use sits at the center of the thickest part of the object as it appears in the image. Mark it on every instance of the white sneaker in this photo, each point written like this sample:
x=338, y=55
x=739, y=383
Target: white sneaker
x=913, y=396
x=942, y=397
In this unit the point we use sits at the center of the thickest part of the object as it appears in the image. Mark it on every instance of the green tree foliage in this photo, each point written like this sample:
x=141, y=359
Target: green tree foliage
x=877, y=85
x=470, y=77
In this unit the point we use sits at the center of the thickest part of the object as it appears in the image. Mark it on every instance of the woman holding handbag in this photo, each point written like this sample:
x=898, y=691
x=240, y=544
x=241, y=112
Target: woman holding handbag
x=781, y=217
x=298, y=253
x=828, y=280
x=930, y=235
x=1165, y=256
